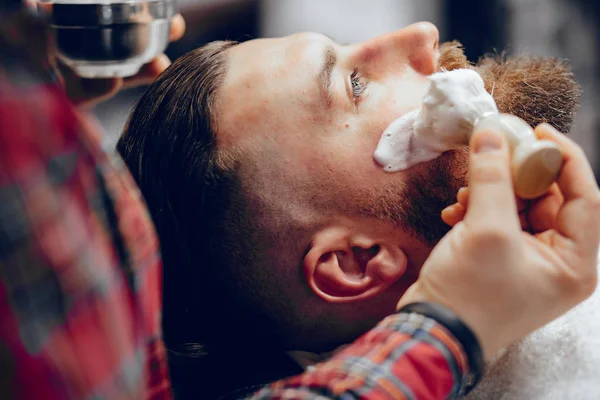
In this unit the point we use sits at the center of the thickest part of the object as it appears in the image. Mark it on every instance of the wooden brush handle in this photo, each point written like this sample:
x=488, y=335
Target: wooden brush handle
x=535, y=166
x=535, y=163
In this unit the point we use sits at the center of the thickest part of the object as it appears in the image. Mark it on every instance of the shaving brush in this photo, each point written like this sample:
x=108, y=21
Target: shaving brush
x=535, y=163
x=455, y=103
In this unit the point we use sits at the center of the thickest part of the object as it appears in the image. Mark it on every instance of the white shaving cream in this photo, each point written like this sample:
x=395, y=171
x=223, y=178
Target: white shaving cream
x=454, y=101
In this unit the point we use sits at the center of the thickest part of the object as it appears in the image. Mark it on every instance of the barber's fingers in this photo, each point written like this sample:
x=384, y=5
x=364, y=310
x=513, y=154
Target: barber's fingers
x=87, y=92
x=536, y=215
x=576, y=179
x=462, y=197
x=522, y=208
x=492, y=202
x=453, y=214
x=177, y=28
x=542, y=212
x=149, y=72
x=579, y=217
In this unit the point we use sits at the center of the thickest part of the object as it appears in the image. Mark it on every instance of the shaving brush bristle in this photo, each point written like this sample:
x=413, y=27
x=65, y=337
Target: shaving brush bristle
x=454, y=102
x=457, y=101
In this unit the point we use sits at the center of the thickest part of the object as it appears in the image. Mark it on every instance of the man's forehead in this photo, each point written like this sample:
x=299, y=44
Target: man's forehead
x=266, y=75
x=274, y=55
x=255, y=57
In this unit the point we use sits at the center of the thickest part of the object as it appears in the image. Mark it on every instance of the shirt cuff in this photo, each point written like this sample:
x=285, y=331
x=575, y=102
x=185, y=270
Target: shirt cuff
x=457, y=337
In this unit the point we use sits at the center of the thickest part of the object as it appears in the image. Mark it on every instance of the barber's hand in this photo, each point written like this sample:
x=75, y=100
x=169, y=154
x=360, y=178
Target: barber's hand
x=501, y=281
x=88, y=92
x=535, y=215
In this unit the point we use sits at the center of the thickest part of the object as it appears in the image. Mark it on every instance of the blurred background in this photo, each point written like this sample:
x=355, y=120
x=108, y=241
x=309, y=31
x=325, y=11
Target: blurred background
x=563, y=28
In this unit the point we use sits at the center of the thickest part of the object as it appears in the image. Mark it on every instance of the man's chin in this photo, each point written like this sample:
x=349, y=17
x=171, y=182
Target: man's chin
x=432, y=189
x=414, y=199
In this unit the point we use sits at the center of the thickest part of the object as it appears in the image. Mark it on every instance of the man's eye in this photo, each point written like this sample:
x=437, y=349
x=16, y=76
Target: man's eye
x=358, y=86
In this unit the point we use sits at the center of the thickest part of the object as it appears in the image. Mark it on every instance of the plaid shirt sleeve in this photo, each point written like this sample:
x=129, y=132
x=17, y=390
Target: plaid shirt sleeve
x=406, y=356
x=80, y=273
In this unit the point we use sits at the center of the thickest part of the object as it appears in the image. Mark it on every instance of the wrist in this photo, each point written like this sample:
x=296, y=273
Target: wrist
x=486, y=337
x=460, y=331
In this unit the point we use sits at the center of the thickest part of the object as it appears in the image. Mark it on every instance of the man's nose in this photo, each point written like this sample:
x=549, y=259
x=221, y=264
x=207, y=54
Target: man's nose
x=415, y=45
x=423, y=39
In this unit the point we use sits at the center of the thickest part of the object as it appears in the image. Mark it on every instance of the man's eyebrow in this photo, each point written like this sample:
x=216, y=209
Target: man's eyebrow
x=325, y=74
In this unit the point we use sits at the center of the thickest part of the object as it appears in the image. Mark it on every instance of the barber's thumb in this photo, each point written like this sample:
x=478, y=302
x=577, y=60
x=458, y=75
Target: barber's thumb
x=491, y=194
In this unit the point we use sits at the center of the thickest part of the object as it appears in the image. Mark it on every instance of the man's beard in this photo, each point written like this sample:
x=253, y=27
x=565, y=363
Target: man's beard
x=535, y=89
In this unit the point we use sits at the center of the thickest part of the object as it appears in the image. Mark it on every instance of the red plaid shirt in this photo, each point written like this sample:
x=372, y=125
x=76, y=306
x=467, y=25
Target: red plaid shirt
x=80, y=277
x=80, y=272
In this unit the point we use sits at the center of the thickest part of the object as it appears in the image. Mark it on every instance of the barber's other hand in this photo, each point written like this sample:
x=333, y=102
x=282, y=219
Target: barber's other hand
x=88, y=92
x=501, y=281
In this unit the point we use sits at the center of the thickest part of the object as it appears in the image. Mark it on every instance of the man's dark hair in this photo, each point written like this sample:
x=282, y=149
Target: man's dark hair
x=194, y=198
x=169, y=145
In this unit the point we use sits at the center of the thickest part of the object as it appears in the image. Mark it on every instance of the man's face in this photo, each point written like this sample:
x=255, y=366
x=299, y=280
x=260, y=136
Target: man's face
x=312, y=112
x=291, y=209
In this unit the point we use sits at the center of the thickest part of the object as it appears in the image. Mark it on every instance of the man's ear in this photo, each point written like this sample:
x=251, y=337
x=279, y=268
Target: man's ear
x=342, y=266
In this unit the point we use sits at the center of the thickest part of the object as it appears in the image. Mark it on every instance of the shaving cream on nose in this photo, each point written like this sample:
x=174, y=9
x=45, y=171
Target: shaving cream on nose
x=453, y=103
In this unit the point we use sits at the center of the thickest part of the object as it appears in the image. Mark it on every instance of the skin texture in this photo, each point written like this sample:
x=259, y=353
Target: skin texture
x=310, y=164
x=308, y=173
x=303, y=140
x=273, y=190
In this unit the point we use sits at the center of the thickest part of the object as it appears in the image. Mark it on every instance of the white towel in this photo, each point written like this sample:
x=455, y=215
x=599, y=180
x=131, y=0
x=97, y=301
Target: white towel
x=559, y=362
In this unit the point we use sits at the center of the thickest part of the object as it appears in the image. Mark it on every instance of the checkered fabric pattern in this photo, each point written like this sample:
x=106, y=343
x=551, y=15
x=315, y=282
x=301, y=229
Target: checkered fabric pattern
x=407, y=356
x=80, y=272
